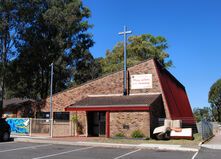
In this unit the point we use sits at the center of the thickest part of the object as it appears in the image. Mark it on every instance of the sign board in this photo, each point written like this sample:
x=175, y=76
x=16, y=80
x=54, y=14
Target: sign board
x=141, y=81
x=19, y=125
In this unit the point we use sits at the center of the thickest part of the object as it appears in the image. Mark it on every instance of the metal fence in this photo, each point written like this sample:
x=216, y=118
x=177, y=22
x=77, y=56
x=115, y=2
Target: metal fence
x=40, y=127
x=206, y=129
x=37, y=127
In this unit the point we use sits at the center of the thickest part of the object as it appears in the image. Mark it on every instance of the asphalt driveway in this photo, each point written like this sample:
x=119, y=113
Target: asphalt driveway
x=19, y=150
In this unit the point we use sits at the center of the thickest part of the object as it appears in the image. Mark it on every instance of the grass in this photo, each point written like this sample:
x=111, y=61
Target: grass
x=183, y=142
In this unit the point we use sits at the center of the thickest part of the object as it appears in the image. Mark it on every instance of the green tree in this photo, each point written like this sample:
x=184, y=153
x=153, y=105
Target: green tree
x=7, y=33
x=55, y=31
x=203, y=113
x=215, y=98
x=139, y=48
x=86, y=68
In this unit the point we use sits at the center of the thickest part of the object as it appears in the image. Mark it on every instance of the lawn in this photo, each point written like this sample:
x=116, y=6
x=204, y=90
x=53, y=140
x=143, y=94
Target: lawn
x=183, y=142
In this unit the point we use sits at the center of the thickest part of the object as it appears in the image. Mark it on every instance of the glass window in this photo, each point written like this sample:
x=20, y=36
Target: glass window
x=61, y=116
x=43, y=115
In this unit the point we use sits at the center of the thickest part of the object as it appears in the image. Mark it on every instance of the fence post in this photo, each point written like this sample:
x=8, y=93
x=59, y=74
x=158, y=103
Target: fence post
x=202, y=129
x=30, y=126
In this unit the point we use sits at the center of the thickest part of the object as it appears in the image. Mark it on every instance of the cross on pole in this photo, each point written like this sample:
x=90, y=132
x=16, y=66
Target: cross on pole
x=125, y=32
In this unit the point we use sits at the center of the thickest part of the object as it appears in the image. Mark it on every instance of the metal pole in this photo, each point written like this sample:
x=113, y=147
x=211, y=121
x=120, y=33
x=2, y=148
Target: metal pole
x=125, y=32
x=51, y=110
x=125, y=61
x=30, y=126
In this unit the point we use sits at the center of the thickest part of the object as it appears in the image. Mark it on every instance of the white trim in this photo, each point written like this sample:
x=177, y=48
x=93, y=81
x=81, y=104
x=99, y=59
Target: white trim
x=153, y=93
x=104, y=95
x=107, y=95
x=112, y=106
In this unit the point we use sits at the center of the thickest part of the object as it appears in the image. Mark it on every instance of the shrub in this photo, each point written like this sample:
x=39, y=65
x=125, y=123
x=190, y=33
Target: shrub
x=74, y=118
x=119, y=135
x=137, y=134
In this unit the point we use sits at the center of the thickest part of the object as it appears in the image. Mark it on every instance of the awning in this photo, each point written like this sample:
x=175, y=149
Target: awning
x=115, y=103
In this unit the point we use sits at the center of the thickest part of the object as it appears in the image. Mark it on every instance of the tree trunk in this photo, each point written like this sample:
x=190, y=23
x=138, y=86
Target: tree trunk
x=47, y=83
x=4, y=56
x=42, y=83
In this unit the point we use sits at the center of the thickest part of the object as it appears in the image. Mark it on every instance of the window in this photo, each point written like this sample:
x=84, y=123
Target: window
x=43, y=115
x=61, y=116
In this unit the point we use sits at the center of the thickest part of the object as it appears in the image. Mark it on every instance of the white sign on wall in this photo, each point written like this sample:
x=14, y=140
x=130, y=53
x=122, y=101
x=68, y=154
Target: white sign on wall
x=141, y=81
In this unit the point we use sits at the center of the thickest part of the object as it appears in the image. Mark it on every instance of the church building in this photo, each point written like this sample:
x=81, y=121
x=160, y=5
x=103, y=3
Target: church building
x=102, y=109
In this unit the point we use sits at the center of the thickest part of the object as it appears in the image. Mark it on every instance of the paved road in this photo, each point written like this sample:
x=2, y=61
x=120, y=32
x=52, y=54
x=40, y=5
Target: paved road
x=206, y=153
x=19, y=150
x=211, y=149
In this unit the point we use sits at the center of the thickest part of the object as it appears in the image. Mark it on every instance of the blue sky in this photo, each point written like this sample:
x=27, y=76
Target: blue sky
x=192, y=28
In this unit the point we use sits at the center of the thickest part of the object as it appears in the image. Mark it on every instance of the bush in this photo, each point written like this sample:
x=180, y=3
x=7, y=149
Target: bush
x=74, y=118
x=137, y=134
x=119, y=135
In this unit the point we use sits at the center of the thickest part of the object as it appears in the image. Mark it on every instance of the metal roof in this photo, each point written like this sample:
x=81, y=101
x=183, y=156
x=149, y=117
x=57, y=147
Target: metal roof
x=106, y=101
x=15, y=102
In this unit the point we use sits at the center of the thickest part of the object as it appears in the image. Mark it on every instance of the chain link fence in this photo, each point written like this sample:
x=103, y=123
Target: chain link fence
x=206, y=129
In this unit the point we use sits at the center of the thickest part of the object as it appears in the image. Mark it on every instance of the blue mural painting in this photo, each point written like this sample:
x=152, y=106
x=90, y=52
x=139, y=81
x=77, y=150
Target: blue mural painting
x=19, y=125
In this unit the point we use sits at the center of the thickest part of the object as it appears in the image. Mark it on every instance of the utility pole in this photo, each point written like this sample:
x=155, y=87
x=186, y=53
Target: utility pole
x=51, y=109
x=125, y=32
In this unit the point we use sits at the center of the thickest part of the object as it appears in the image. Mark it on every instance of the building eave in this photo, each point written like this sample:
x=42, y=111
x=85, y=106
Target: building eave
x=109, y=108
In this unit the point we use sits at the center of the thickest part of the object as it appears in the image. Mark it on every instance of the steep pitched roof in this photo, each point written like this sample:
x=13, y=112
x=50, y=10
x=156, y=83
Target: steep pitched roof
x=175, y=95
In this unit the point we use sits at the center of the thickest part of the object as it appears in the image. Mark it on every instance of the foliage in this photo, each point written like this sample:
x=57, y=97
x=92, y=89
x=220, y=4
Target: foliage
x=7, y=33
x=86, y=68
x=215, y=99
x=137, y=134
x=139, y=48
x=48, y=32
x=74, y=118
x=203, y=113
x=119, y=135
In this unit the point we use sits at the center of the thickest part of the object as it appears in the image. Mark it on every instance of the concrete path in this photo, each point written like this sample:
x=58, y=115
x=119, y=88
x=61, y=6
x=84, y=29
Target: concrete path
x=110, y=145
x=214, y=143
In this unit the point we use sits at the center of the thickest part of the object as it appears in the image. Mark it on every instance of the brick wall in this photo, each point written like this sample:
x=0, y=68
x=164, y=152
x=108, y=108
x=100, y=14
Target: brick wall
x=127, y=122
x=110, y=84
x=61, y=129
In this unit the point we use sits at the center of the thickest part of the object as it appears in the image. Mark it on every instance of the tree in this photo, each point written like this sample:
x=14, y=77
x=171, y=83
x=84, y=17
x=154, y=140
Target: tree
x=139, y=48
x=55, y=31
x=215, y=98
x=7, y=33
x=203, y=113
x=86, y=68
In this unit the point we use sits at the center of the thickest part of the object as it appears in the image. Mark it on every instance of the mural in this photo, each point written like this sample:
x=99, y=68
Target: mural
x=19, y=126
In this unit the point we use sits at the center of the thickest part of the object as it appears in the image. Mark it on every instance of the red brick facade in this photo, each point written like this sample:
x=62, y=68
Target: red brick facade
x=112, y=84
